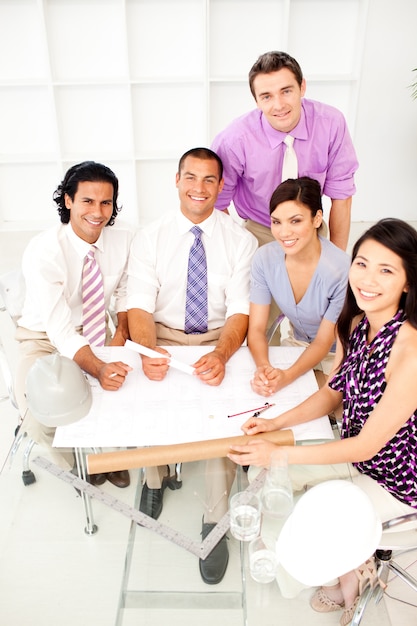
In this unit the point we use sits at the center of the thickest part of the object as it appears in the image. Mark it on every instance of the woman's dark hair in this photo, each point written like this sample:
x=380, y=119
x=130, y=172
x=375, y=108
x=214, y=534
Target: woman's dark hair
x=86, y=171
x=400, y=238
x=304, y=190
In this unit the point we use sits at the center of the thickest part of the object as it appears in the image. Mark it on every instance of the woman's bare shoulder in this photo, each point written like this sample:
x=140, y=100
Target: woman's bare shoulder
x=408, y=335
x=404, y=350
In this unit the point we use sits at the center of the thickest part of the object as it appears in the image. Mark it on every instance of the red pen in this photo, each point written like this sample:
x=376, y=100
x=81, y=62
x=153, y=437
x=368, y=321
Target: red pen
x=256, y=411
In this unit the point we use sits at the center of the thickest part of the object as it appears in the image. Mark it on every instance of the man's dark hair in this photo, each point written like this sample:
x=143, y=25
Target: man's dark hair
x=85, y=171
x=204, y=154
x=273, y=62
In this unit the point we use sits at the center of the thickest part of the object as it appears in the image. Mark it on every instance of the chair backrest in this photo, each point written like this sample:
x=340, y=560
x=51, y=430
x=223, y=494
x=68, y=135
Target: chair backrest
x=272, y=329
x=12, y=292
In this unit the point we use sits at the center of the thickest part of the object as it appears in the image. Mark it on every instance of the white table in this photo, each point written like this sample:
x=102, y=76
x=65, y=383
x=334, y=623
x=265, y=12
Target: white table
x=181, y=408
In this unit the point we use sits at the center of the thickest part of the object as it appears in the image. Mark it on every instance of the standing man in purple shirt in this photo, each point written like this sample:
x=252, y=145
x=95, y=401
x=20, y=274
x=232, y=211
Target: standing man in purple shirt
x=252, y=148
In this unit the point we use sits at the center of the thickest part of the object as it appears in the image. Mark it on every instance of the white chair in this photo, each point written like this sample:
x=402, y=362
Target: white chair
x=11, y=303
x=391, y=544
x=12, y=293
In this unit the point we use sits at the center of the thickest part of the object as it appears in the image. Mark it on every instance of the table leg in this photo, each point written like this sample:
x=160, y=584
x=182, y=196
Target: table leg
x=90, y=528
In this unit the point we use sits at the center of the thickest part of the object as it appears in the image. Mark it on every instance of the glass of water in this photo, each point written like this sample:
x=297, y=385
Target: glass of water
x=262, y=562
x=245, y=516
x=277, y=494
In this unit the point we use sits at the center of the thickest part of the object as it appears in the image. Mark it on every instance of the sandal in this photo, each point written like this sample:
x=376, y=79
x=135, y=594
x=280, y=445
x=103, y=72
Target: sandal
x=323, y=604
x=348, y=614
x=367, y=572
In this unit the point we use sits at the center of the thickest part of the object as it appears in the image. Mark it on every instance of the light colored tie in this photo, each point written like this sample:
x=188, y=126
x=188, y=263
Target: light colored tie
x=290, y=163
x=94, y=314
x=196, y=306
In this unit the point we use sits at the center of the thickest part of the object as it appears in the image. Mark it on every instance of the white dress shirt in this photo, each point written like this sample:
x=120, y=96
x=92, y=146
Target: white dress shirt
x=52, y=267
x=158, y=264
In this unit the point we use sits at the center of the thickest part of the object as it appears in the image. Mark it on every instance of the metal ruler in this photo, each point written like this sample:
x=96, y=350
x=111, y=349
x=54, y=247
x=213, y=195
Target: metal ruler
x=200, y=548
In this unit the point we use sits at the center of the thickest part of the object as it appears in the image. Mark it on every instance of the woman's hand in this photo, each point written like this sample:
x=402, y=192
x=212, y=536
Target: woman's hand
x=267, y=380
x=257, y=452
x=255, y=425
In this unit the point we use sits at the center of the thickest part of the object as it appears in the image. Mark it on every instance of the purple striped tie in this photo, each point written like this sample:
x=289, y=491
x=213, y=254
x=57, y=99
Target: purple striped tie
x=94, y=315
x=196, y=307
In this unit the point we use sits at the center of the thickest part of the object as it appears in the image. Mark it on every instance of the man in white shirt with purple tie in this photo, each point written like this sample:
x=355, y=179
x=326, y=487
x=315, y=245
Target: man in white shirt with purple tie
x=52, y=316
x=158, y=314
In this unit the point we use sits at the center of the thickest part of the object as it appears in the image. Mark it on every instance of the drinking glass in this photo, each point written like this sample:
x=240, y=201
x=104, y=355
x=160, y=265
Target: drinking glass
x=277, y=495
x=262, y=562
x=245, y=516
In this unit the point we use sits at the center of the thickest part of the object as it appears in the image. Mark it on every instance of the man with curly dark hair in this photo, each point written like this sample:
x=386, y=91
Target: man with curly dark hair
x=52, y=318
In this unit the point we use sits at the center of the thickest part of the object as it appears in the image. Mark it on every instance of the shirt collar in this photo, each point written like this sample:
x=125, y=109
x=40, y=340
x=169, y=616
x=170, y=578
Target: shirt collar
x=184, y=224
x=81, y=246
x=276, y=137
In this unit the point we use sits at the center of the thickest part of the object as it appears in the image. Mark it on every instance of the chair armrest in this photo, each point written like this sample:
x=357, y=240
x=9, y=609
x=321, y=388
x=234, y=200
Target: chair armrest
x=396, y=521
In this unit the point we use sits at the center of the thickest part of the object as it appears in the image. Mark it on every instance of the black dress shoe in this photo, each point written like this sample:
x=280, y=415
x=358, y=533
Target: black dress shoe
x=119, y=479
x=213, y=568
x=151, y=502
x=151, y=499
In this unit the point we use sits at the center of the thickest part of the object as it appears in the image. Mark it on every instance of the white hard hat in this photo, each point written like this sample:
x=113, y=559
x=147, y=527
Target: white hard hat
x=57, y=391
x=332, y=530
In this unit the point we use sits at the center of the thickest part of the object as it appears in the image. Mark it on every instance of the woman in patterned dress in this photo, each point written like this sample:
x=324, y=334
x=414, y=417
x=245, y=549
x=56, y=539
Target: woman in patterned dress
x=375, y=377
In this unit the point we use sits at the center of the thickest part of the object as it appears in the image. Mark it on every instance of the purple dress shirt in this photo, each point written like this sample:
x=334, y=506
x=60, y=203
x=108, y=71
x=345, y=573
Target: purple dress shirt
x=252, y=153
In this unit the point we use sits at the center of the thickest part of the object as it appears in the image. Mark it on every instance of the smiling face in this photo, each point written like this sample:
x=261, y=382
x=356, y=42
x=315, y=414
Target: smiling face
x=198, y=185
x=91, y=209
x=294, y=227
x=278, y=96
x=377, y=279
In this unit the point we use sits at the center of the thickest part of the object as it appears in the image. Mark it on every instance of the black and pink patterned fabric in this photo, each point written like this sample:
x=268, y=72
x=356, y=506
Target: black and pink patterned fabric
x=361, y=379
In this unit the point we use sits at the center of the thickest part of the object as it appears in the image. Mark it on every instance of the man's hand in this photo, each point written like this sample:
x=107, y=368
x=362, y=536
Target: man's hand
x=156, y=369
x=111, y=376
x=210, y=368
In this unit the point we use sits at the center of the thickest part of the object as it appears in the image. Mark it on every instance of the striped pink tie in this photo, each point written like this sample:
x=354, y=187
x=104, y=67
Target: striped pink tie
x=94, y=315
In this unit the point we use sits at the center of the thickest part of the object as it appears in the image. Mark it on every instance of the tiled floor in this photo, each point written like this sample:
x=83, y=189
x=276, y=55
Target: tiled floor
x=51, y=572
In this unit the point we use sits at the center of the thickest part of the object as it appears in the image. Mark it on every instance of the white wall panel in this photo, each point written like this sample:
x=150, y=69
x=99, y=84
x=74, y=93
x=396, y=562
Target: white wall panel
x=86, y=40
x=166, y=39
x=240, y=31
x=135, y=83
x=23, y=49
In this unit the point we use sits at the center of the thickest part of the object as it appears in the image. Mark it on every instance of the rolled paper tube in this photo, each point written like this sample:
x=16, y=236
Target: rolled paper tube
x=179, y=452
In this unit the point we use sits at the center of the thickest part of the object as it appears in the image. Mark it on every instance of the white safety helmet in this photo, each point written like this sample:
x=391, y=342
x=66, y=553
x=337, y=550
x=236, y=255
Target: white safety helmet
x=332, y=530
x=57, y=391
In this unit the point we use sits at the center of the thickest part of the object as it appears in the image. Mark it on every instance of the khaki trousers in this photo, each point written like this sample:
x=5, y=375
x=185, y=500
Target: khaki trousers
x=219, y=473
x=33, y=345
